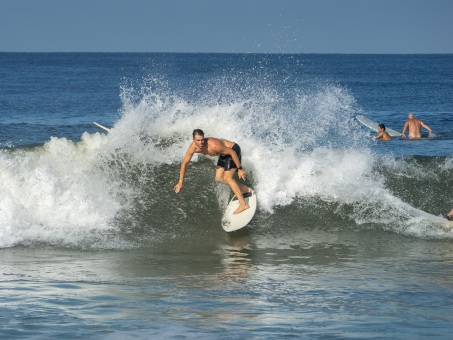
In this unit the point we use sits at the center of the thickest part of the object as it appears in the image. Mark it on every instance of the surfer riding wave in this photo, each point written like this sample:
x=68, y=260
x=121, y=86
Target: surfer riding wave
x=229, y=161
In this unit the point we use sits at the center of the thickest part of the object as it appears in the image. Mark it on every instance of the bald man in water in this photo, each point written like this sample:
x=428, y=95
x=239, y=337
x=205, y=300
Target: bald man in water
x=414, y=126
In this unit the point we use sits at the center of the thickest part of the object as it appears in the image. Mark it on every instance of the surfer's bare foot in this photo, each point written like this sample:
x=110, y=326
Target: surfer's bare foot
x=241, y=209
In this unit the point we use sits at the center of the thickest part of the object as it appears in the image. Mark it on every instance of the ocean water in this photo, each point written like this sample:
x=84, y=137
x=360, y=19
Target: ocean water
x=348, y=240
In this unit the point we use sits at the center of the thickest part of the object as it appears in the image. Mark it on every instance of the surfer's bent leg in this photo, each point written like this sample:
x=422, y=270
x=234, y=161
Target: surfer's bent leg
x=228, y=179
x=224, y=164
x=226, y=168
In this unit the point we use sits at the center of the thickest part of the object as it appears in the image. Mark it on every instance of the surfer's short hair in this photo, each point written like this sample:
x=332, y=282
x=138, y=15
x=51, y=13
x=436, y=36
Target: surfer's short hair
x=197, y=132
x=382, y=126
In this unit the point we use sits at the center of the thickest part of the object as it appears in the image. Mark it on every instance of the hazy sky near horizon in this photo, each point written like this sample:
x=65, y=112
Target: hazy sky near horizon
x=233, y=26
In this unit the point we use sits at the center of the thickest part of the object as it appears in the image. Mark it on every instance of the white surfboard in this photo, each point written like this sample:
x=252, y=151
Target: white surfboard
x=374, y=126
x=231, y=222
x=102, y=126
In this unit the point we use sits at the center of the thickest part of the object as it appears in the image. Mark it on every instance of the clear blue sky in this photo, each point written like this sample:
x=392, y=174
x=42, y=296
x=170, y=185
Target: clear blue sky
x=262, y=26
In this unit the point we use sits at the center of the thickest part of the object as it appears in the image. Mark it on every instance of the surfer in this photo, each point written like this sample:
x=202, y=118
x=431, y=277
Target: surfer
x=382, y=133
x=414, y=125
x=229, y=160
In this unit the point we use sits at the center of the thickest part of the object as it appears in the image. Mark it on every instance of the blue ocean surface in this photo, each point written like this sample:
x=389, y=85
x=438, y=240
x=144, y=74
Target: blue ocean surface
x=349, y=238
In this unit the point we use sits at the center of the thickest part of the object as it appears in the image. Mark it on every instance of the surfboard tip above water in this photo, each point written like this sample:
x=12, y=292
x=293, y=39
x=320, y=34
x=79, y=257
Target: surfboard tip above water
x=102, y=126
x=374, y=126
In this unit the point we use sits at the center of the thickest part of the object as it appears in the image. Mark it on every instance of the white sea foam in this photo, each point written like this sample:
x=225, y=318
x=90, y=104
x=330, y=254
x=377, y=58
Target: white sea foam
x=51, y=193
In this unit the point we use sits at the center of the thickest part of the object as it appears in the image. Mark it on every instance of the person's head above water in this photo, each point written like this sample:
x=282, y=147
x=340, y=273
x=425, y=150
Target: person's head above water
x=197, y=132
x=382, y=126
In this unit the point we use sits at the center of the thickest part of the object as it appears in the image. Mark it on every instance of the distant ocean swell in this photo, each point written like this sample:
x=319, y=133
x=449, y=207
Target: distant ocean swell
x=304, y=153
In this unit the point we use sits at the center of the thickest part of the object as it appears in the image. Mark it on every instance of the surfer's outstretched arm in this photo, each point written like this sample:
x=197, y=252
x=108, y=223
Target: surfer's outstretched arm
x=426, y=127
x=182, y=172
x=403, y=134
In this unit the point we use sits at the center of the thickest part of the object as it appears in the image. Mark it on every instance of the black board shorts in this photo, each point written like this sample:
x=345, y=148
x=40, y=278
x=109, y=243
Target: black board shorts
x=226, y=161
